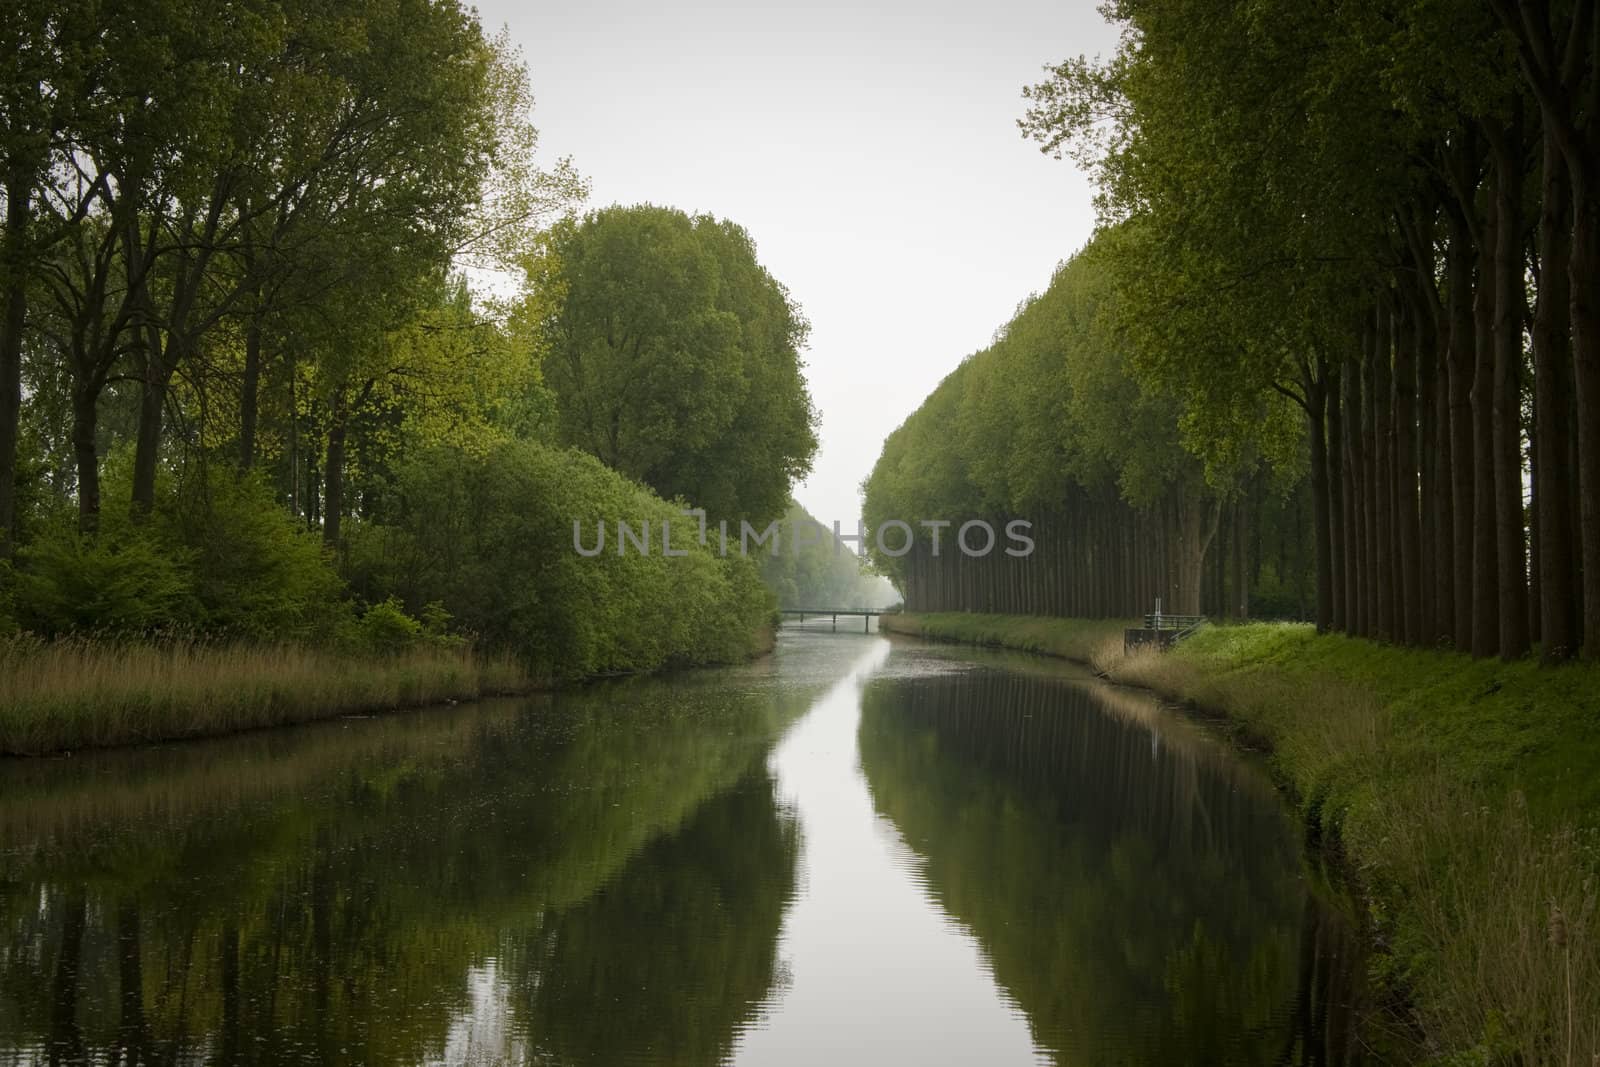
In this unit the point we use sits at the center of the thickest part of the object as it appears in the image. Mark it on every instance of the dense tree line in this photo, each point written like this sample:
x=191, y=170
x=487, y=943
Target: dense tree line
x=245, y=384
x=811, y=569
x=1051, y=424
x=1384, y=214
x=1388, y=212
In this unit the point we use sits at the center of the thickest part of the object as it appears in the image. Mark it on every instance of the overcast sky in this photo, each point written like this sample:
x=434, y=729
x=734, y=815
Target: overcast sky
x=870, y=149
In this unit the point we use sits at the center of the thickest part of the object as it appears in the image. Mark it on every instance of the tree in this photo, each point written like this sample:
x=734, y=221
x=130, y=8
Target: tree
x=674, y=357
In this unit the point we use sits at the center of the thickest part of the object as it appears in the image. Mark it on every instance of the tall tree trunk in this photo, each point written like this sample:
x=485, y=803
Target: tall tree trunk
x=13, y=317
x=1336, y=516
x=85, y=412
x=1462, y=366
x=1510, y=304
x=333, y=473
x=249, y=393
x=1431, y=463
x=1241, y=590
x=1485, y=538
x=1195, y=528
x=1370, y=431
x=1559, y=63
x=1407, y=334
x=1314, y=386
x=1553, y=387
x=1586, y=374
x=1355, y=554
x=1383, y=469
x=158, y=368
x=1443, y=544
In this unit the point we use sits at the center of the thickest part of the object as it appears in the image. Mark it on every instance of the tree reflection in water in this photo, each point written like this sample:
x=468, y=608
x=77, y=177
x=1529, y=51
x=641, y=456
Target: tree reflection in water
x=1138, y=889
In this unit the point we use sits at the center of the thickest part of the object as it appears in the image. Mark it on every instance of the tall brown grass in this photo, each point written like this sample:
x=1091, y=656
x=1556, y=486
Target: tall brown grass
x=79, y=693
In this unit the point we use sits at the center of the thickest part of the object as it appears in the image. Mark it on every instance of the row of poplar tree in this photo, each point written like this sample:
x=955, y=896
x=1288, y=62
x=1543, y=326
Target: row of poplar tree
x=1387, y=213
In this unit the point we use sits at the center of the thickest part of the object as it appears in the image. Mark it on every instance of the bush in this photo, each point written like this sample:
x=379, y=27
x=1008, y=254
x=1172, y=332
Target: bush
x=257, y=573
x=219, y=557
x=490, y=540
x=124, y=581
x=386, y=628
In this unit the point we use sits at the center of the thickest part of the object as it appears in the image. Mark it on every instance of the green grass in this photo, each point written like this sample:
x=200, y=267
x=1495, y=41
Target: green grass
x=1074, y=639
x=70, y=694
x=1464, y=795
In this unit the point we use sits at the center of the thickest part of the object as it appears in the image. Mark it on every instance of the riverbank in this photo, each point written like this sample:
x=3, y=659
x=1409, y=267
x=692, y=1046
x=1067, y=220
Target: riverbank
x=1464, y=795
x=73, y=694
x=69, y=694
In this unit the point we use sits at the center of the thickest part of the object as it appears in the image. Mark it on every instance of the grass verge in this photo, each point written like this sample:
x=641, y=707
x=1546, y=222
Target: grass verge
x=1464, y=795
x=71, y=694
x=1074, y=639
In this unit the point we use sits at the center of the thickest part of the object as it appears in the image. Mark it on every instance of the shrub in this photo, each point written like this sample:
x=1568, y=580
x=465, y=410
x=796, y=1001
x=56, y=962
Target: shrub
x=257, y=573
x=218, y=557
x=124, y=581
x=386, y=628
x=490, y=540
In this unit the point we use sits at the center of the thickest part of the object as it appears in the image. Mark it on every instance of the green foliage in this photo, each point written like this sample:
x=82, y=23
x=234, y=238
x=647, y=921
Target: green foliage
x=490, y=539
x=243, y=286
x=1058, y=405
x=674, y=357
x=387, y=629
x=218, y=557
x=256, y=573
x=124, y=582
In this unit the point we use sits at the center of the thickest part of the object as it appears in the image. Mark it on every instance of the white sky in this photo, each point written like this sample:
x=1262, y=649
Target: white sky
x=870, y=149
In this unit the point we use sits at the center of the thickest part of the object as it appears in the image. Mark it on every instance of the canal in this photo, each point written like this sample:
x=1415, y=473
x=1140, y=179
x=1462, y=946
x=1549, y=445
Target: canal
x=855, y=851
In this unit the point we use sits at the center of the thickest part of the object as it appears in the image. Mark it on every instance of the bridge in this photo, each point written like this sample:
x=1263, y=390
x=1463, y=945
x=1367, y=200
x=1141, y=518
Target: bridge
x=866, y=615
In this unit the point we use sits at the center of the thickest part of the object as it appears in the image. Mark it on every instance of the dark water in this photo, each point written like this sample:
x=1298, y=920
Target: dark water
x=850, y=853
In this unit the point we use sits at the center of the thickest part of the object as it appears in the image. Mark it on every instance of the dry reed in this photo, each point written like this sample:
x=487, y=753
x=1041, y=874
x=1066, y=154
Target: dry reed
x=81, y=693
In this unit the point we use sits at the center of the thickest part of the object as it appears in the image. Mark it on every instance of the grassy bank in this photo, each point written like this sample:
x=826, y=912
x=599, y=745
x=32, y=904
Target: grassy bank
x=1074, y=639
x=1464, y=794
x=71, y=694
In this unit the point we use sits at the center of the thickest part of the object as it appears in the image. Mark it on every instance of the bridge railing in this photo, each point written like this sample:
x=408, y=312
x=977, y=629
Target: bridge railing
x=1161, y=630
x=866, y=615
x=1163, y=621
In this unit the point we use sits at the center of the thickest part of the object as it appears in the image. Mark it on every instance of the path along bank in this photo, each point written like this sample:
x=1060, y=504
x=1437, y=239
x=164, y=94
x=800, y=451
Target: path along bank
x=1463, y=795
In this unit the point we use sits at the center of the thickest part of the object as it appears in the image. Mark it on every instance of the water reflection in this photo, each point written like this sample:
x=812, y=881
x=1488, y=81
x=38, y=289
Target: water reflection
x=353, y=892
x=849, y=852
x=1136, y=888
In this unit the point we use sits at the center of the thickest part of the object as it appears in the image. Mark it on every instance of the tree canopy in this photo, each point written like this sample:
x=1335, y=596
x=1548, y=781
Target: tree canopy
x=674, y=358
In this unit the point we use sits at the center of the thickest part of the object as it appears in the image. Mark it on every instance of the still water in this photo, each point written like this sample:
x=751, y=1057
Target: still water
x=855, y=851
